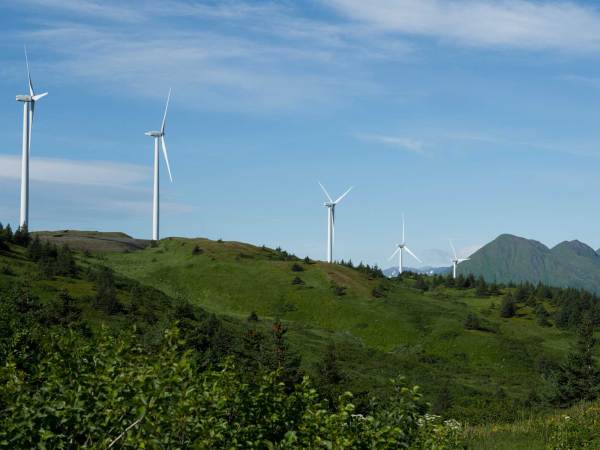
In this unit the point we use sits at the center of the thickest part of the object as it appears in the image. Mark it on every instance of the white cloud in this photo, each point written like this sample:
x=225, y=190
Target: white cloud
x=526, y=24
x=84, y=173
x=404, y=143
x=222, y=55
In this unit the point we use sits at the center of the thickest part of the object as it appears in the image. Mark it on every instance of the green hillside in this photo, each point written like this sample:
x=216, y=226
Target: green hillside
x=448, y=337
x=488, y=373
x=513, y=259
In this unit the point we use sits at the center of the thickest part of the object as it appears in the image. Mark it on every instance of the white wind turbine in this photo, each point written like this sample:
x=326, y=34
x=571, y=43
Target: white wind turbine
x=29, y=102
x=330, y=205
x=401, y=248
x=456, y=261
x=159, y=140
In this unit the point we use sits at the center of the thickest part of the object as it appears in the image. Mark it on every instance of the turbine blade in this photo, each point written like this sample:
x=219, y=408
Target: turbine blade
x=464, y=259
x=395, y=253
x=164, y=148
x=453, y=249
x=325, y=190
x=343, y=195
x=164, y=121
x=403, y=229
x=28, y=74
x=37, y=97
x=413, y=255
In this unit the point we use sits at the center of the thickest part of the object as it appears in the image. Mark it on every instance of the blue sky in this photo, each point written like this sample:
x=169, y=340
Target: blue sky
x=472, y=117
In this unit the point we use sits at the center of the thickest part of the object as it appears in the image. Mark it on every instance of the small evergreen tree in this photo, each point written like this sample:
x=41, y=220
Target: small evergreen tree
x=542, y=315
x=579, y=377
x=106, y=291
x=472, y=322
x=330, y=377
x=34, y=250
x=508, y=308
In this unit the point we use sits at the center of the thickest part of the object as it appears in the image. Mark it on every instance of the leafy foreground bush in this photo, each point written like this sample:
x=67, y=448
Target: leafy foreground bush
x=108, y=392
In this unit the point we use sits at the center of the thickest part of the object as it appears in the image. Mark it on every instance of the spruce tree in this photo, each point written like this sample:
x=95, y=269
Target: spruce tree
x=508, y=308
x=578, y=378
x=330, y=376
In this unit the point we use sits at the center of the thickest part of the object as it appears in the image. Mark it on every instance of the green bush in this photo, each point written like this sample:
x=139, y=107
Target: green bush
x=110, y=391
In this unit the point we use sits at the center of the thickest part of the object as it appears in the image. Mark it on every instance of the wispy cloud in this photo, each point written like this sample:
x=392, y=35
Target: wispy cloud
x=582, y=80
x=525, y=24
x=400, y=142
x=83, y=173
x=222, y=55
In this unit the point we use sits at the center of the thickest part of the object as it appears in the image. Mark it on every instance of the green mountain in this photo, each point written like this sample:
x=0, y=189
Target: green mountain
x=514, y=259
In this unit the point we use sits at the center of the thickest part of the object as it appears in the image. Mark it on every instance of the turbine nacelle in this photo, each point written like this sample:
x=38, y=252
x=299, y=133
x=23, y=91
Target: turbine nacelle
x=154, y=134
x=24, y=98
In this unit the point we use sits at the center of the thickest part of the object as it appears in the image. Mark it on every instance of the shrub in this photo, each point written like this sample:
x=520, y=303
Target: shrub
x=197, y=250
x=297, y=268
x=472, y=322
x=297, y=281
x=109, y=392
x=508, y=308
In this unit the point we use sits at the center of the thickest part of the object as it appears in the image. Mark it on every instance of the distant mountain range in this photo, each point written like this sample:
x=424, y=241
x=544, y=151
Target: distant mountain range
x=393, y=271
x=512, y=258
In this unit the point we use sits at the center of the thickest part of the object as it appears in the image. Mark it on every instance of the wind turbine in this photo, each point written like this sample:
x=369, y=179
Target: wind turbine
x=401, y=248
x=159, y=140
x=330, y=205
x=29, y=102
x=456, y=261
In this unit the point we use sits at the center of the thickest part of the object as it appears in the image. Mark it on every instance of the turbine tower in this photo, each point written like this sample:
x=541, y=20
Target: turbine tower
x=330, y=205
x=159, y=140
x=29, y=102
x=401, y=248
x=456, y=261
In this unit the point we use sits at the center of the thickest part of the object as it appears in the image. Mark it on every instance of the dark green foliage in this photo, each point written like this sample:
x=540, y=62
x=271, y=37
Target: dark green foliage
x=297, y=268
x=338, y=290
x=371, y=271
x=253, y=317
x=421, y=284
x=63, y=310
x=297, y=281
x=508, y=308
x=34, y=250
x=542, y=315
x=378, y=291
x=164, y=401
x=330, y=376
x=286, y=361
x=472, y=322
x=22, y=237
x=52, y=260
x=481, y=288
x=578, y=378
x=443, y=401
x=106, y=292
x=197, y=251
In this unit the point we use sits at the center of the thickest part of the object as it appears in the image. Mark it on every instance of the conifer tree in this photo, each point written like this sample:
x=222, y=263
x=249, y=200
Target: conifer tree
x=579, y=377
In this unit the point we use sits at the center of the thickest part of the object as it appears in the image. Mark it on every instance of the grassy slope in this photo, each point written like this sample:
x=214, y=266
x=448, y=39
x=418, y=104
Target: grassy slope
x=418, y=334
x=574, y=428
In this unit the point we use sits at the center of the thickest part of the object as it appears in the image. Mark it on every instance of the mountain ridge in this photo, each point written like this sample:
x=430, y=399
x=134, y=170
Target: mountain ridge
x=510, y=258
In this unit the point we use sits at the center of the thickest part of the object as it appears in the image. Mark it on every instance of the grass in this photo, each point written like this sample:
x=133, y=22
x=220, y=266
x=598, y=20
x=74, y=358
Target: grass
x=486, y=376
x=490, y=374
